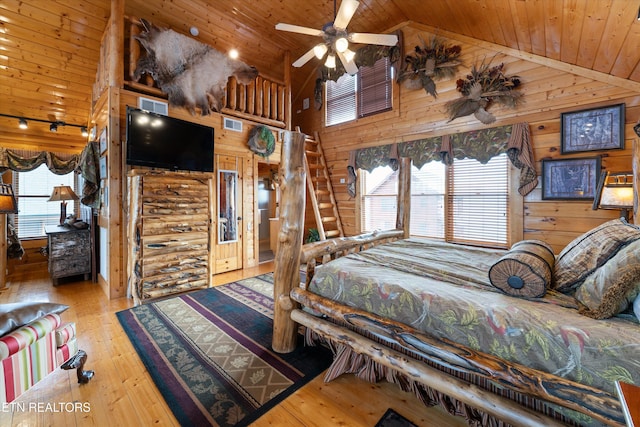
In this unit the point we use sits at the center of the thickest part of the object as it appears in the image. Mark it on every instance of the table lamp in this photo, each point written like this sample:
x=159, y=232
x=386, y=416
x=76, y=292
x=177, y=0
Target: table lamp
x=615, y=191
x=62, y=193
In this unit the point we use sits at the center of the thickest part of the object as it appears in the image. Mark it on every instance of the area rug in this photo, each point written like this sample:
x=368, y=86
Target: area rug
x=392, y=419
x=209, y=353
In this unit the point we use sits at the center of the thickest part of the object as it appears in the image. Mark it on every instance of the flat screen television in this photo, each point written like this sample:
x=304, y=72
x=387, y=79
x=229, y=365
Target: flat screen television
x=164, y=142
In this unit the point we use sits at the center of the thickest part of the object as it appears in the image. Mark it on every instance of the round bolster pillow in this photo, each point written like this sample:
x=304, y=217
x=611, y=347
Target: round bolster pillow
x=525, y=270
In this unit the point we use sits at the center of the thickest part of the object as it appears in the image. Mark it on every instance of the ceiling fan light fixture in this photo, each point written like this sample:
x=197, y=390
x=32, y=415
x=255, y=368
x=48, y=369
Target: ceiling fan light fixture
x=319, y=50
x=349, y=55
x=341, y=44
x=331, y=61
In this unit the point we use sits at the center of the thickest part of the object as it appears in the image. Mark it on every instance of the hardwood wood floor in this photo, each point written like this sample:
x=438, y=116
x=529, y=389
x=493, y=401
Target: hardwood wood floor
x=123, y=394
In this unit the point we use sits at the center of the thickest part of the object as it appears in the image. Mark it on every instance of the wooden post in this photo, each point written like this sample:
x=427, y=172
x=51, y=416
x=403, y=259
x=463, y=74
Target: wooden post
x=3, y=250
x=404, y=196
x=287, y=260
x=636, y=181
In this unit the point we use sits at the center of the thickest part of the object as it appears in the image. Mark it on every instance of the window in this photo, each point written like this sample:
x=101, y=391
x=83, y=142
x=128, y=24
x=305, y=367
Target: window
x=466, y=202
x=366, y=93
x=380, y=200
x=477, y=202
x=33, y=190
x=341, y=100
x=427, y=200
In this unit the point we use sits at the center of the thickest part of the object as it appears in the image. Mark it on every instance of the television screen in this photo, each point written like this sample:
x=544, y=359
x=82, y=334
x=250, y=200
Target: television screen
x=159, y=141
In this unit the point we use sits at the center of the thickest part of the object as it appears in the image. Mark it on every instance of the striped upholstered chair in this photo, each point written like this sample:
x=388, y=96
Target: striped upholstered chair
x=34, y=342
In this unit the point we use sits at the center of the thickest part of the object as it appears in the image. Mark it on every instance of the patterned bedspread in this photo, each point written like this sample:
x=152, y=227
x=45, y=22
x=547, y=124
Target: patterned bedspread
x=444, y=290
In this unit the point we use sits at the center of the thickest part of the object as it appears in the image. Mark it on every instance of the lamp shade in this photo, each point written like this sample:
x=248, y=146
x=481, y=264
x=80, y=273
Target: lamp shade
x=7, y=200
x=61, y=193
x=615, y=191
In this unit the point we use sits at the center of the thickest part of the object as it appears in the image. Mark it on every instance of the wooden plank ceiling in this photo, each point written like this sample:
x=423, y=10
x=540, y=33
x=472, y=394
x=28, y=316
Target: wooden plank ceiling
x=49, y=49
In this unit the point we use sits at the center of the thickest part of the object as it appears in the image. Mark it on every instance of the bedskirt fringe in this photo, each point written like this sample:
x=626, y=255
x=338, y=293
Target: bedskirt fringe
x=347, y=361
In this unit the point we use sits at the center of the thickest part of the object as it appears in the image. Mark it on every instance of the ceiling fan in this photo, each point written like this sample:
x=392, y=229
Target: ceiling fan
x=337, y=39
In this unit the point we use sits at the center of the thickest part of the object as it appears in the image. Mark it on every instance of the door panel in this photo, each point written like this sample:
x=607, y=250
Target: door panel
x=229, y=222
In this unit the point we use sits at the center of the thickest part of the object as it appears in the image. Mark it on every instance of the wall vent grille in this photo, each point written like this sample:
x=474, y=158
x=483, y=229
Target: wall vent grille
x=153, y=106
x=231, y=124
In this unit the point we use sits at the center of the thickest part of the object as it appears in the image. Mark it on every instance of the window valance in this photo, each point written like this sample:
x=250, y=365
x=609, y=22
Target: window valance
x=482, y=145
x=85, y=163
x=25, y=161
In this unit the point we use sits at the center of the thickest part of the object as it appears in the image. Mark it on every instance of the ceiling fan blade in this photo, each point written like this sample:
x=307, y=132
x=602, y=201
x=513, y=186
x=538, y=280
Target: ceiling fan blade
x=299, y=29
x=349, y=66
x=345, y=13
x=381, y=39
x=304, y=59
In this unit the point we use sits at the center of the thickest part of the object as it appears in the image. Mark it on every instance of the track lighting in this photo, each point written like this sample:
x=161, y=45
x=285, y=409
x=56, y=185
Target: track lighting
x=53, y=125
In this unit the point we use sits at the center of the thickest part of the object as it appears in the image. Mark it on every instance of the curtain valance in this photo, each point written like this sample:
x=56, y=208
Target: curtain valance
x=481, y=145
x=85, y=163
x=25, y=161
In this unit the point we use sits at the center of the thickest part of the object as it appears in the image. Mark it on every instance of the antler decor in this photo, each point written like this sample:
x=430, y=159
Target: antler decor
x=432, y=61
x=481, y=88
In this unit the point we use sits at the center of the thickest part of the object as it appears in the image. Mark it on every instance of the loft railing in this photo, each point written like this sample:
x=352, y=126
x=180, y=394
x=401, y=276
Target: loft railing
x=263, y=100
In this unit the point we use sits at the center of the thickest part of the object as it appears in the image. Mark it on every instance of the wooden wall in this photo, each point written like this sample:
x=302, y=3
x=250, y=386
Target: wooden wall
x=114, y=215
x=550, y=88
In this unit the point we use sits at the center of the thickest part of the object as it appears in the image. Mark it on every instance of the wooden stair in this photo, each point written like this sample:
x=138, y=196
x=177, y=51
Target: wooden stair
x=320, y=190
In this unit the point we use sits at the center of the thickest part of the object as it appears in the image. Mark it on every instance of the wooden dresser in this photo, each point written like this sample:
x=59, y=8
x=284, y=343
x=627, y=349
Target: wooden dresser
x=69, y=252
x=169, y=233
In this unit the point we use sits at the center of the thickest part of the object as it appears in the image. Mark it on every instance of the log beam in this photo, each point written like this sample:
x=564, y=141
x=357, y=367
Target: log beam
x=597, y=404
x=286, y=275
x=404, y=197
x=635, y=215
x=470, y=394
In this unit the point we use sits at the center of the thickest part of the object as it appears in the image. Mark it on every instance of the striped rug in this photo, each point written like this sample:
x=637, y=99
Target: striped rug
x=209, y=353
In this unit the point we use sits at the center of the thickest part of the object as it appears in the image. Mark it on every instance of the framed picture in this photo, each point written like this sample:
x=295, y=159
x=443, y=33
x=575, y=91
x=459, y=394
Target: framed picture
x=103, y=140
x=593, y=129
x=570, y=179
x=103, y=167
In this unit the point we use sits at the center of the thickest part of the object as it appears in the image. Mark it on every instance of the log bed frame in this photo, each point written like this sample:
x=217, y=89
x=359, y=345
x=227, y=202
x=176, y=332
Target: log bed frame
x=289, y=294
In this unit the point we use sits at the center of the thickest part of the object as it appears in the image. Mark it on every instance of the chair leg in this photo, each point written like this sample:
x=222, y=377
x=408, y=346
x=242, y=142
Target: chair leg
x=77, y=362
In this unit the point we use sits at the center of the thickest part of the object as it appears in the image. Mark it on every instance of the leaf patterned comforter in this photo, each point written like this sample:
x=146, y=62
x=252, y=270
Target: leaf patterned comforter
x=444, y=290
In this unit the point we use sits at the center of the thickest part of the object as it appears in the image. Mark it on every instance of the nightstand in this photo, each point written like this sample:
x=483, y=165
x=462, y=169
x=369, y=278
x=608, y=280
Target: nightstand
x=69, y=252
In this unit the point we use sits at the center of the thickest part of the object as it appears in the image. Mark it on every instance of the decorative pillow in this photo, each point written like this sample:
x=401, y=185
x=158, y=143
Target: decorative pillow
x=12, y=316
x=525, y=270
x=593, y=249
x=609, y=290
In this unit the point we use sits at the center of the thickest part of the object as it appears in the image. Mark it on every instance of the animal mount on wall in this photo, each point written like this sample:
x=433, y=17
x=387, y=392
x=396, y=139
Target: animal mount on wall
x=192, y=74
x=483, y=86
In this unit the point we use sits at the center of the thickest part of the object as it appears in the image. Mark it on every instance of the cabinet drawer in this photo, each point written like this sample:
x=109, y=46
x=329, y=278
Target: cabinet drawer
x=70, y=266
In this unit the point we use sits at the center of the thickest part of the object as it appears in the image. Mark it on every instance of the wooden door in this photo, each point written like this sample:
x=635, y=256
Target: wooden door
x=229, y=224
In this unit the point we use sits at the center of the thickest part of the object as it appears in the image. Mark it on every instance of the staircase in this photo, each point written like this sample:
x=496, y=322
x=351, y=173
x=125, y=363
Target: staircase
x=320, y=190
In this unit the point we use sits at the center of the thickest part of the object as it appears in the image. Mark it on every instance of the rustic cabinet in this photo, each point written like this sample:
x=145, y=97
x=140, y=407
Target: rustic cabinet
x=69, y=252
x=169, y=235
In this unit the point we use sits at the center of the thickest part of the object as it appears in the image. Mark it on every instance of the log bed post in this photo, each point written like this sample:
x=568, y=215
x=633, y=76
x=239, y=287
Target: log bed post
x=287, y=260
x=635, y=215
x=404, y=197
